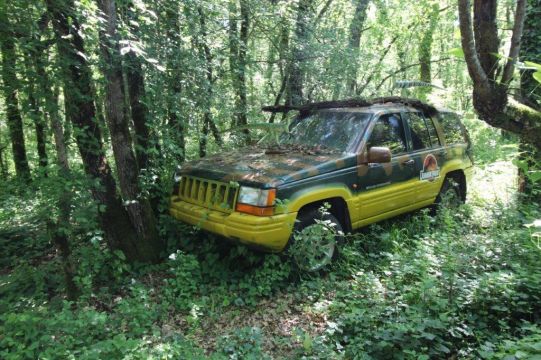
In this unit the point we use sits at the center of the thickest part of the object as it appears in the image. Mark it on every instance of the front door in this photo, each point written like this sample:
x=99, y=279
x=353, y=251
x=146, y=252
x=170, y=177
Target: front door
x=391, y=186
x=428, y=155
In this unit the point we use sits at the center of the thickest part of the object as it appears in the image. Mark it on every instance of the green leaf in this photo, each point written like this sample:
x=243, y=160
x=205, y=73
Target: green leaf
x=457, y=52
x=120, y=255
x=535, y=176
x=537, y=76
x=307, y=343
x=532, y=64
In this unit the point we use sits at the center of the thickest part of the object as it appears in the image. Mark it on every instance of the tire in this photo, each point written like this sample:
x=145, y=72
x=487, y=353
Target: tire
x=309, y=251
x=450, y=195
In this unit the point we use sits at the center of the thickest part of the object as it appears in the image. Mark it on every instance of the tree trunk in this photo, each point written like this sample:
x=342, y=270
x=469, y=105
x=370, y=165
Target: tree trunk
x=136, y=93
x=355, y=31
x=283, y=66
x=11, y=87
x=139, y=110
x=35, y=112
x=531, y=51
x=485, y=28
x=238, y=46
x=114, y=220
x=204, y=51
x=3, y=166
x=490, y=98
x=531, y=94
x=295, y=84
x=425, y=51
x=140, y=213
x=58, y=231
x=175, y=122
x=490, y=91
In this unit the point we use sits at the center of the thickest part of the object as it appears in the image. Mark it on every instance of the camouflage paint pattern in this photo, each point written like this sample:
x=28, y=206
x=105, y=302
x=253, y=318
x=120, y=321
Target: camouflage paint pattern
x=371, y=189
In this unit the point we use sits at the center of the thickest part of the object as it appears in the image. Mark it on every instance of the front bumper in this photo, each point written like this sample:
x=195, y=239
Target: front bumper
x=269, y=232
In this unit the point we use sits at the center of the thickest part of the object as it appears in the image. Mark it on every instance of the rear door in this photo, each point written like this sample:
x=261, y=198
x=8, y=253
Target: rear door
x=428, y=154
x=390, y=186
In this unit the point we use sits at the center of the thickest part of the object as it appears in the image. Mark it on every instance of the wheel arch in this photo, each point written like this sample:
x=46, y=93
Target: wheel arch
x=339, y=209
x=460, y=177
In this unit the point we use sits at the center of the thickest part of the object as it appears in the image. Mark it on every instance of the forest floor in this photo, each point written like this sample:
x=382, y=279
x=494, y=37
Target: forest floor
x=465, y=284
x=280, y=317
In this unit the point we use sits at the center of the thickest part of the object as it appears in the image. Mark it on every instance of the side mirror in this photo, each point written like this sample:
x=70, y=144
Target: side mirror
x=378, y=154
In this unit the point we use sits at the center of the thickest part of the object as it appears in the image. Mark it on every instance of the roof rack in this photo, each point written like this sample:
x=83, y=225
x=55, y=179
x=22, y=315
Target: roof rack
x=308, y=108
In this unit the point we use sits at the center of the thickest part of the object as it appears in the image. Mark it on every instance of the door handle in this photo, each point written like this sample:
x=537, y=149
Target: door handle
x=409, y=162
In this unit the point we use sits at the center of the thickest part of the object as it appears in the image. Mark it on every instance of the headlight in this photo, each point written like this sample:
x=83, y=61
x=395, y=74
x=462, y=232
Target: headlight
x=256, y=201
x=256, y=197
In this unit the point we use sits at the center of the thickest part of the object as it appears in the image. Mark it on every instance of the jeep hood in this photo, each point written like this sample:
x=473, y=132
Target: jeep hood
x=264, y=168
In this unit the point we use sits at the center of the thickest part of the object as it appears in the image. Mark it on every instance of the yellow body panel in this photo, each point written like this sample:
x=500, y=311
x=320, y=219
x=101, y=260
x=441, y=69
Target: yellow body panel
x=388, y=198
x=390, y=214
x=317, y=193
x=273, y=232
x=270, y=232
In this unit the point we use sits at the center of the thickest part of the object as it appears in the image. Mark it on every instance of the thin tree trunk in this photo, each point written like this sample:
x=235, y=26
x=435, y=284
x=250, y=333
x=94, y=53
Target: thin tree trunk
x=531, y=94
x=204, y=137
x=114, y=220
x=138, y=107
x=59, y=230
x=140, y=213
x=295, y=83
x=36, y=114
x=139, y=110
x=175, y=122
x=425, y=51
x=238, y=46
x=283, y=66
x=355, y=31
x=208, y=121
x=11, y=87
x=243, y=48
x=531, y=51
x=3, y=166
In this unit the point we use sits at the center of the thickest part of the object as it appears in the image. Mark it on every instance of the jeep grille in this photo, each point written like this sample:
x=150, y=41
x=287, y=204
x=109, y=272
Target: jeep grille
x=208, y=193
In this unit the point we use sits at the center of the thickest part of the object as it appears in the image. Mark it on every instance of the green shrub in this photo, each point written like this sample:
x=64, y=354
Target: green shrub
x=244, y=343
x=181, y=287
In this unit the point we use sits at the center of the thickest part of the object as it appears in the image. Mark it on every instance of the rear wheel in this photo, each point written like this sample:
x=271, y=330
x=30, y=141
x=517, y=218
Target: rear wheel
x=450, y=195
x=315, y=239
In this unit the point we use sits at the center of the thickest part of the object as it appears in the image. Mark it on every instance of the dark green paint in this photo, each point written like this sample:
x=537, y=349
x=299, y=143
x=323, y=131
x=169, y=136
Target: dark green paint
x=292, y=172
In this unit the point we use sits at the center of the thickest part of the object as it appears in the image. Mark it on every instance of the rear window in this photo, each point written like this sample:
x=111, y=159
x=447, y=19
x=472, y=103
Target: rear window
x=452, y=130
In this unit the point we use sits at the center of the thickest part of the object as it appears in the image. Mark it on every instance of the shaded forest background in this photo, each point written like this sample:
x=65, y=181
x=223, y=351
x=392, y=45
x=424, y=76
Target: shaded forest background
x=102, y=100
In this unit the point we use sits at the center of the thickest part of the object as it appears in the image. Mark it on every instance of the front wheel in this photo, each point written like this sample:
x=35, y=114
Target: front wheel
x=314, y=241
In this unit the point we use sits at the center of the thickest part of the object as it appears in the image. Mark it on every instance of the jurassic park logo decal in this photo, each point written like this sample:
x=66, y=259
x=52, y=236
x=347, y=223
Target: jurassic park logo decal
x=431, y=170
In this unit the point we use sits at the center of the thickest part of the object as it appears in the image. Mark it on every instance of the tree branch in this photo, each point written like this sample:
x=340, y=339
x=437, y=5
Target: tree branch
x=383, y=55
x=518, y=27
x=323, y=11
x=402, y=69
x=475, y=69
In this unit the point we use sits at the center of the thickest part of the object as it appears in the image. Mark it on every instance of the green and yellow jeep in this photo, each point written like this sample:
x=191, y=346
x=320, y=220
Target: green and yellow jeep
x=367, y=160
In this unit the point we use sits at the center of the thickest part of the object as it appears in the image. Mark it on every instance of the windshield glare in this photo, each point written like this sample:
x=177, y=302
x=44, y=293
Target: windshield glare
x=334, y=130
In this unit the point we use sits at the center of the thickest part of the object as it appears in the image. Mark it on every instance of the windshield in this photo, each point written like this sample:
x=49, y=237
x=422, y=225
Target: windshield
x=333, y=130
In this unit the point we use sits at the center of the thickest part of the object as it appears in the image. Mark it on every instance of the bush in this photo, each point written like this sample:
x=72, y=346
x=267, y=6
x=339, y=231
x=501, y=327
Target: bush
x=181, y=287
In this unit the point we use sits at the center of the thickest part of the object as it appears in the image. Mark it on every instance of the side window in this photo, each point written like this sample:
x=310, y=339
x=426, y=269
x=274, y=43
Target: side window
x=389, y=132
x=452, y=131
x=420, y=137
x=434, y=140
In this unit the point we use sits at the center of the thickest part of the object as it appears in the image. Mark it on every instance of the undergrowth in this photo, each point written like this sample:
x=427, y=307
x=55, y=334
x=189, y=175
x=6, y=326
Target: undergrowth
x=465, y=285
